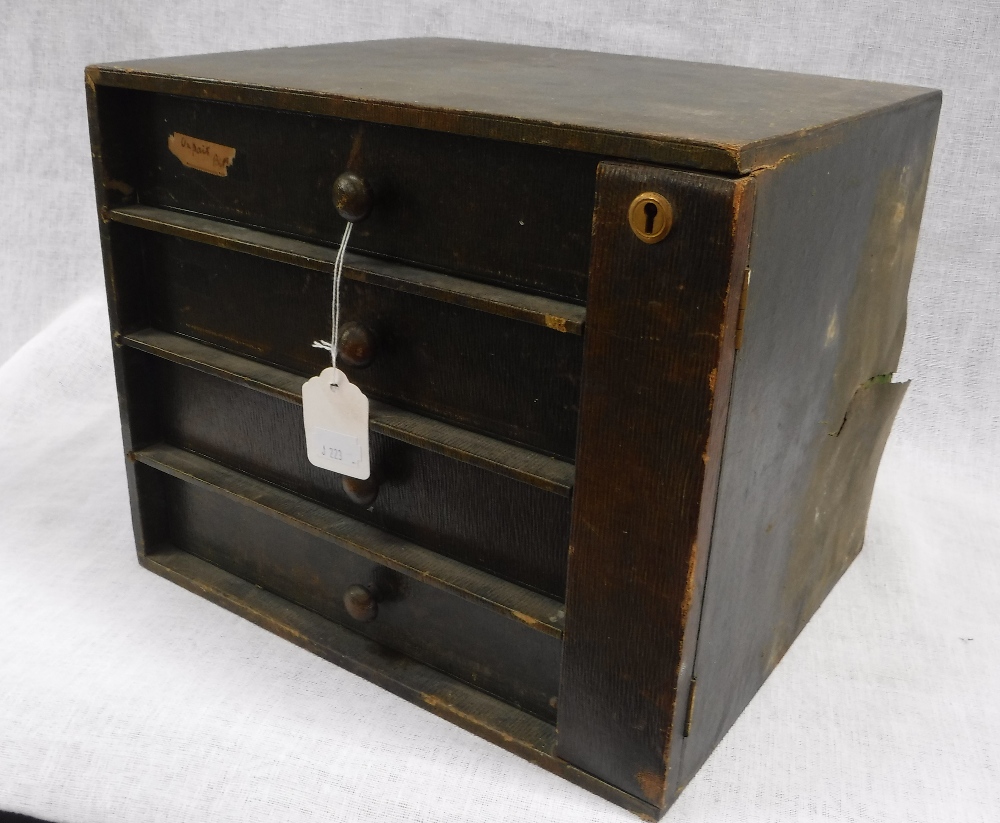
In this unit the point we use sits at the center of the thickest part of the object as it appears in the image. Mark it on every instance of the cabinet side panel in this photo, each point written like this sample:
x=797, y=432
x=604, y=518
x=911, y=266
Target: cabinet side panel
x=112, y=159
x=657, y=366
x=833, y=244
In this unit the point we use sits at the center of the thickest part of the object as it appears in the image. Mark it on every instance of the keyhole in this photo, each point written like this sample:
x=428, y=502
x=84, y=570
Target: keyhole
x=650, y=209
x=650, y=216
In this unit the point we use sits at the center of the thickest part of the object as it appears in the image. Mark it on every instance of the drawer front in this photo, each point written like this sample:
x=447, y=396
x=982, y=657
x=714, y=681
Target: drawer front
x=474, y=644
x=514, y=380
x=501, y=212
x=509, y=528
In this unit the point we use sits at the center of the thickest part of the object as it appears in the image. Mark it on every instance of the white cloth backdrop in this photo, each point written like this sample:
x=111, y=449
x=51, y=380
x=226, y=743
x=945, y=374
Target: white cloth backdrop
x=124, y=698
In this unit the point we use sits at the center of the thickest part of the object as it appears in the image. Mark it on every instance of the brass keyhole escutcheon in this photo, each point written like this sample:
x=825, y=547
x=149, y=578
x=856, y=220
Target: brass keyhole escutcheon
x=650, y=217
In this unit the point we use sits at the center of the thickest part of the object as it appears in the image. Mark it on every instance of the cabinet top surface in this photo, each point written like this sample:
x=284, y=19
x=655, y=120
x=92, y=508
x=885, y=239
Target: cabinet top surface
x=699, y=115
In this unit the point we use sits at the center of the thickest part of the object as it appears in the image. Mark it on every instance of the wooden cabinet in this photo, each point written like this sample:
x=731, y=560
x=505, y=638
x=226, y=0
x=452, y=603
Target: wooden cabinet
x=628, y=328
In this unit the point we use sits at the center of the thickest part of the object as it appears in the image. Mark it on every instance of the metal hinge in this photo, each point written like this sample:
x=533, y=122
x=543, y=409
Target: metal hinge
x=743, y=308
x=689, y=716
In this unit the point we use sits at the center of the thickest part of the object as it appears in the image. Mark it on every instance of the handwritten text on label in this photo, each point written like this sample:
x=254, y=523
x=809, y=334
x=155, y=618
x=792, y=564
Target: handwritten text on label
x=338, y=447
x=201, y=154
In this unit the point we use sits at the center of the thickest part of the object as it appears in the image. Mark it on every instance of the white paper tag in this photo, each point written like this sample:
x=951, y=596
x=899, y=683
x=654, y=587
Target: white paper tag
x=335, y=413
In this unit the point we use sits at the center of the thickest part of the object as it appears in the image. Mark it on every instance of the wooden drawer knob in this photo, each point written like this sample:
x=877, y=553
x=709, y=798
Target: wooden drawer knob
x=362, y=492
x=353, y=197
x=356, y=345
x=360, y=603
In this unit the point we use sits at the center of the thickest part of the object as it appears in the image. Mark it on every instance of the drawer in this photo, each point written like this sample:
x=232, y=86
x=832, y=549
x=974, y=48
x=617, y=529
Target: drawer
x=497, y=211
x=475, y=644
x=510, y=528
x=516, y=380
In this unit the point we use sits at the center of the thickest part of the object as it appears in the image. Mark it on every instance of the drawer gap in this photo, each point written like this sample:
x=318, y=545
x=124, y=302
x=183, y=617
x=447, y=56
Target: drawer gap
x=548, y=473
x=529, y=308
x=530, y=608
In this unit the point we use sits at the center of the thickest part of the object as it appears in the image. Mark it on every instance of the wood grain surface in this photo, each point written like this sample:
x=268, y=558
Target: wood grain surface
x=538, y=611
x=718, y=118
x=531, y=308
x=832, y=250
x=658, y=319
x=465, y=706
x=500, y=212
x=500, y=655
x=526, y=466
x=513, y=380
x=478, y=517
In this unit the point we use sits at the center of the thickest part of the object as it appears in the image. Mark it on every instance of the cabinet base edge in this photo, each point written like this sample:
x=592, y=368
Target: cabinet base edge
x=472, y=710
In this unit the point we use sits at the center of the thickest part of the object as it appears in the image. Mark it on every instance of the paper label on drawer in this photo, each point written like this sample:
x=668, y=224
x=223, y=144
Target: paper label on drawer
x=335, y=413
x=202, y=155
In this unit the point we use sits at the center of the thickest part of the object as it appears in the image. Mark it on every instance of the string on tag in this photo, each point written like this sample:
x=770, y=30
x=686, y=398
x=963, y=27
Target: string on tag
x=338, y=268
